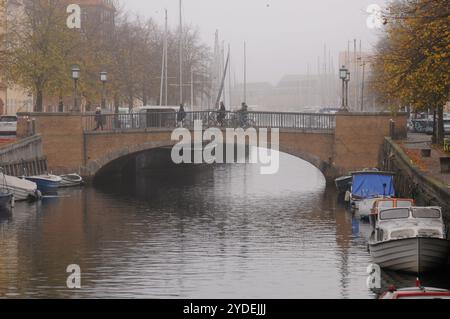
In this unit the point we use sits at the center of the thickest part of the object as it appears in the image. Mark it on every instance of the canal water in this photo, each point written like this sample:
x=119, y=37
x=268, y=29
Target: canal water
x=193, y=232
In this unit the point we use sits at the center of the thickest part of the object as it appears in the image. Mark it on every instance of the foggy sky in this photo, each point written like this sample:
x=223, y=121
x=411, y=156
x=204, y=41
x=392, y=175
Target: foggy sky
x=282, y=36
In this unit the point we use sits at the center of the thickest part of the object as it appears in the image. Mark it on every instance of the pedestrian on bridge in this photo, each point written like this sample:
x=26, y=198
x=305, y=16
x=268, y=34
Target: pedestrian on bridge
x=222, y=114
x=243, y=114
x=98, y=119
x=181, y=116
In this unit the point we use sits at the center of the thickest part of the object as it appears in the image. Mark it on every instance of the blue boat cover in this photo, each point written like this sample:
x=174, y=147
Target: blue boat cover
x=372, y=185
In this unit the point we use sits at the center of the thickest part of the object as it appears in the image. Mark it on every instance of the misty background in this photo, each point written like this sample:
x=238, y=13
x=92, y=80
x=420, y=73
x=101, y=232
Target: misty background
x=283, y=36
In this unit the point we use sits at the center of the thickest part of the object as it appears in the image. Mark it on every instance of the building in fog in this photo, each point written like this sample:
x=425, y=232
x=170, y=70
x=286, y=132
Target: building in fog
x=293, y=93
x=13, y=98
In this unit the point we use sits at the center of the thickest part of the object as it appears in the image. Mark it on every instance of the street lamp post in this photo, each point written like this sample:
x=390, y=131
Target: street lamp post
x=362, y=85
x=75, y=77
x=347, y=79
x=104, y=79
x=343, y=76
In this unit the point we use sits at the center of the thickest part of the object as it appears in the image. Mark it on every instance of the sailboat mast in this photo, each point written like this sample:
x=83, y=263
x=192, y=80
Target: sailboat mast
x=245, y=72
x=229, y=76
x=222, y=83
x=181, y=54
x=163, y=68
x=166, y=54
x=222, y=64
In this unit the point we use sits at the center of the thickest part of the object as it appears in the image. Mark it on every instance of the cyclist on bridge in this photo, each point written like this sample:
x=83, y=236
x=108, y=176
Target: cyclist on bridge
x=222, y=114
x=243, y=114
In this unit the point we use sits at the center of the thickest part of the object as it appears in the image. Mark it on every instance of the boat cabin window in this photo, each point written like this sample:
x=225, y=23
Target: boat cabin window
x=426, y=213
x=8, y=119
x=386, y=204
x=394, y=214
x=404, y=204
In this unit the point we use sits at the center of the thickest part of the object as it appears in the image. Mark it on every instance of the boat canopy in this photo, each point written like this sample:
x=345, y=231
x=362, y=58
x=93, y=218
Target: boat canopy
x=370, y=185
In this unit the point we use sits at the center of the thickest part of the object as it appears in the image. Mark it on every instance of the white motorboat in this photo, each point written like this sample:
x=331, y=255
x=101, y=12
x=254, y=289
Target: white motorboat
x=22, y=189
x=71, y=180
x=410, y=239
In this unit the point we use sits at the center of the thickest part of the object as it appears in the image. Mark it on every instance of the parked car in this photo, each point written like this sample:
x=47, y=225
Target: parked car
x=8, y=125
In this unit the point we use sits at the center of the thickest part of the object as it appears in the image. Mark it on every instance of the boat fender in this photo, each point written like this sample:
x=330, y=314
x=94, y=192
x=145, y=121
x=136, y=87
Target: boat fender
x=13, y=202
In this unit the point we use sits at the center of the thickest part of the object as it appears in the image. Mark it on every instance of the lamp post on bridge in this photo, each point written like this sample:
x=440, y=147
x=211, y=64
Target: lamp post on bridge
x=343, y=76
x=75, y=76
x=104, y=79
x=347, y=79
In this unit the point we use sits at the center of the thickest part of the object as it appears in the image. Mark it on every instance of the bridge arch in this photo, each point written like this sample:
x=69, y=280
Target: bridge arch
x=313, y=148
x=324, y=166
x=95, y=166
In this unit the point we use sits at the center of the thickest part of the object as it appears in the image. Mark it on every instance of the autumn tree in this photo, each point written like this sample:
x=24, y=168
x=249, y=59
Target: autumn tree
x=40, y=51
x=40, y=48
x=412, y=62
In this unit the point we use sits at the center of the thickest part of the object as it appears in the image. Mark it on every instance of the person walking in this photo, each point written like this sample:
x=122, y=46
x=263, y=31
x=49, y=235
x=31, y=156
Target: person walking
x=243, y=114
x=222, y=114
x=181, y=116
x=98, y=119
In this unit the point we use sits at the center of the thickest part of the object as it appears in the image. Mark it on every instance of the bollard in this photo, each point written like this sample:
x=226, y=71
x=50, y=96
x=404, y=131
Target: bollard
x=392, y=129
x=33, y=127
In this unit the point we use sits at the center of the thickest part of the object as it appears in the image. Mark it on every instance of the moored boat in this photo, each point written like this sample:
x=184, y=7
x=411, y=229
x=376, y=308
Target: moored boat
x=416, y=293
x=22, y=189
x=367, y=187
x=410, y=239
x=343, y=184
x=71, y=180
x=46, y=183
x=6, y=199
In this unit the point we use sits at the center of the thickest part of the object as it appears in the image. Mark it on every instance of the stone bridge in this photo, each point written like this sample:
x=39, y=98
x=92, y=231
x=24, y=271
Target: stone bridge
x=335, y=144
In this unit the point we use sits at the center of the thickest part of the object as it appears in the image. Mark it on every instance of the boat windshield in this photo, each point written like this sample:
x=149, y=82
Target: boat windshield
x=400, y=213
x=426, y=213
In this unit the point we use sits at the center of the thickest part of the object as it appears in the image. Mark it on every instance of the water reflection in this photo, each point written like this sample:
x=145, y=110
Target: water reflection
x=190, y=232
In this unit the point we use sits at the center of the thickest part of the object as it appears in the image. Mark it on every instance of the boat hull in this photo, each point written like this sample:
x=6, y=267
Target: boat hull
x=6, y=201
x=412, y=255
x=72, y=180
x=22, y=189
x=44, y=185
x=21, y=194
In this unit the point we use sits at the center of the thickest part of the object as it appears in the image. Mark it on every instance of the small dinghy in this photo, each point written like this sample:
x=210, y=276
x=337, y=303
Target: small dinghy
x=71, y=180
x=47, y=184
